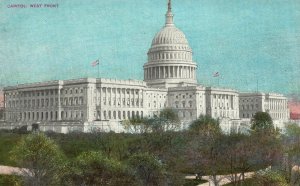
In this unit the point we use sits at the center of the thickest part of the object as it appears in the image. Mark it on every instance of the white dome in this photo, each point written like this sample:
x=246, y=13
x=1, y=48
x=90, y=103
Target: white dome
x=169, y=35
x=170, y=58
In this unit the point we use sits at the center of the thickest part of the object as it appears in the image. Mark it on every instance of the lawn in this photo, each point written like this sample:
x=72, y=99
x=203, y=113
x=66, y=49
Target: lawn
x=7, y=142
x=10, y=180
x=247, y=182
x=193, y=182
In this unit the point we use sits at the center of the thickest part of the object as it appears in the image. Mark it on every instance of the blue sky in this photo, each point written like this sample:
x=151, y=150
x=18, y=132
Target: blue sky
x=244, y=40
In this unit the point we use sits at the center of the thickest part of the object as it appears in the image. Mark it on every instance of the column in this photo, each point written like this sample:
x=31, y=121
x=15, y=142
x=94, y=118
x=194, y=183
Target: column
x=129, y=98
x=147, y=70
x=59, y=106
x=121, y=99
x=154, y=73
x=180, y=72
x=133, y=104
x=174, y=70
x=110, y=94
x=164, y=70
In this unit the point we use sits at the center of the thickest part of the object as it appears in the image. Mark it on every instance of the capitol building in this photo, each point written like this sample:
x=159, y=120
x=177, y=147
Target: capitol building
x=169, y=82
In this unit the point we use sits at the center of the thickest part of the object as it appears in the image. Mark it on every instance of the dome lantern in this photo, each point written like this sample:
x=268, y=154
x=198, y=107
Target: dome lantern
x=169, y=15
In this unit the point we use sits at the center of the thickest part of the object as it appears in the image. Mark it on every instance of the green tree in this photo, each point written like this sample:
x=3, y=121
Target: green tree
x=206, y=125
x=93, y=168
x=262, y=122
x=147, y=169
x=42, y=158
x=205, y=156
x=292, y=140
x=270, y=178
x=1, y=113
x=169, y=119
x=137, y=125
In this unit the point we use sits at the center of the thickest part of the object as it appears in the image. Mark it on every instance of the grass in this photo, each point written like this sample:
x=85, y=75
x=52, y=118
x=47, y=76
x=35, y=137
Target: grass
x=193, y=182
x=247, y=182
x=7, y=142
x=10, y=180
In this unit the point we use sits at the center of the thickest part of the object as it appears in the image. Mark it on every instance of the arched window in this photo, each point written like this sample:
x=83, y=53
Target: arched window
x=119, y=114
x=114, y=113
x=104, y=114
x=128, y=114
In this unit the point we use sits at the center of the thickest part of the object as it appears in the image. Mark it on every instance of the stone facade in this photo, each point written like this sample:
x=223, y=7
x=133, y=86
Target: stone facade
x=275, y=104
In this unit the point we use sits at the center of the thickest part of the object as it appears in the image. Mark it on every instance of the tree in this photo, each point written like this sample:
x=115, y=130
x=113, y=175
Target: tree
x=137, y=125
x=269, y=178
x=93, y=168
x=205, y=156
x=1, y=113
x=244, y=154
x=206, y=125
x=262, y=122
x=169, y=119
x=292, y=141
x=147, y=169
x=42, y=158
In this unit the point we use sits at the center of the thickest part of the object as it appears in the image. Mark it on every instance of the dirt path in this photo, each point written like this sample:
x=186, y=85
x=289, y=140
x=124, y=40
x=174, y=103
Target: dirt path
x=7, y=170
x=223, y=179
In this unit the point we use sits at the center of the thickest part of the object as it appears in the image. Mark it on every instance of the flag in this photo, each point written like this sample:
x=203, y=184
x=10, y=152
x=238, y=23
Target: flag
x=95, y=63
x=216, y=74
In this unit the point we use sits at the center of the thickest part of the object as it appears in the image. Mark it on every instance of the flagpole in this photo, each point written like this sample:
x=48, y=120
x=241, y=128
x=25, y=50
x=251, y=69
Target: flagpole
x=257, y=85
x=98, y=69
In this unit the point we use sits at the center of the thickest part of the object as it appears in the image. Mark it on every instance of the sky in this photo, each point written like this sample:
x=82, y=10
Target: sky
x=253, y=44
